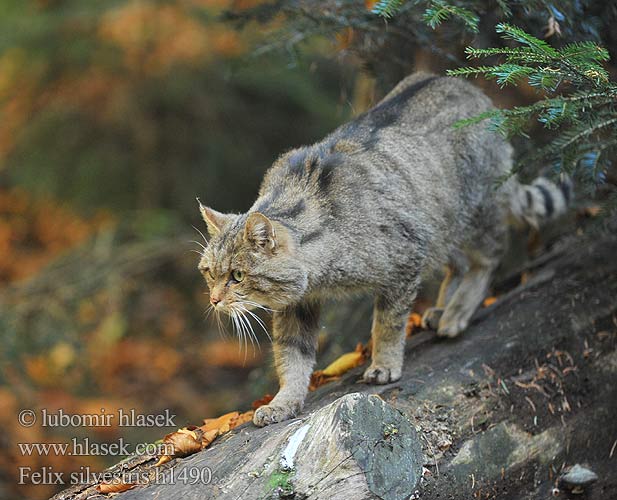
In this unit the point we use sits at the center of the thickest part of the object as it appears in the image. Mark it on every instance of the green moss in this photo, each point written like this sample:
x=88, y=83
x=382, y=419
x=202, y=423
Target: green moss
x=280, y=483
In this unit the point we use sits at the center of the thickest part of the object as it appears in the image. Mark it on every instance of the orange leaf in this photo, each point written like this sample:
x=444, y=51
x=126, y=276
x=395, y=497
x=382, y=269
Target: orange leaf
x=340, y=366
x=489, y=301
x=344, y=363
x=263, y=401
x=414, y=321
x=163, y=460
x=185, y=441
x=208, y=437
x=318, y=379
x=243, y=418
x=114, y=487
x=222, y=424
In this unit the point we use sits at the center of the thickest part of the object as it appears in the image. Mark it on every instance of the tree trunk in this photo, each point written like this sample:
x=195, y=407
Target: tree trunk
x=501, y=412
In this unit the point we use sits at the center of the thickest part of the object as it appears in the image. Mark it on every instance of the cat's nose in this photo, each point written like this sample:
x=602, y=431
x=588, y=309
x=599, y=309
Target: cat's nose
x=214, y=300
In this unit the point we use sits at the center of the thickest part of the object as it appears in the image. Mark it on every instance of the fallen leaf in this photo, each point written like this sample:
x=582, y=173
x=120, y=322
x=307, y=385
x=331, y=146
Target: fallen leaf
x=243, y=418
x=414, y=321
x=340, y=366
x=344, y=363
x=163, y=460
x=185, y=441
x=223, y=423
x=263, y=401
x=208, y=437
x=488, y=301
x=192, y=439
x=318, y=379
x=115, y=487
x=591, y=210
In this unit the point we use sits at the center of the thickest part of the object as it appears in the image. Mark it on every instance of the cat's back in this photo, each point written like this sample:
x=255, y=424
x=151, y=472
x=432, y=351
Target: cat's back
x=421, y=104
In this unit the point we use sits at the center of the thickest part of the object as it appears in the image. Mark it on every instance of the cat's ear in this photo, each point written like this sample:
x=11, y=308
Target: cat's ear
x=260, y=232
x=215, y=221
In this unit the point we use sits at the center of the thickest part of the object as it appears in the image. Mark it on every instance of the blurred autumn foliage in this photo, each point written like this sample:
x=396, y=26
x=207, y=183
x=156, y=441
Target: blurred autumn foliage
x=143, y=104
x=114, y=116
x=33, y=232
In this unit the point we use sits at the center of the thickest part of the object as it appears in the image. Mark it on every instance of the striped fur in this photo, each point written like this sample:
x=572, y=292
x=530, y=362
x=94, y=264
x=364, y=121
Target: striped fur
x=375, y=206
x=541, y=201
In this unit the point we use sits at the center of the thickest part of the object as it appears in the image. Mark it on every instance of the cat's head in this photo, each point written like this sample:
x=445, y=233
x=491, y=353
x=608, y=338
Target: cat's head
x=250, y=261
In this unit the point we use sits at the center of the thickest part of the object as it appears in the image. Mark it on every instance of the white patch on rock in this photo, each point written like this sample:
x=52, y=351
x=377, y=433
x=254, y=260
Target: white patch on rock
x=287, y=458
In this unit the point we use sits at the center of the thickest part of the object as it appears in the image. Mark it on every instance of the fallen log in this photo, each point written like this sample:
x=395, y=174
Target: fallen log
x=504, y=411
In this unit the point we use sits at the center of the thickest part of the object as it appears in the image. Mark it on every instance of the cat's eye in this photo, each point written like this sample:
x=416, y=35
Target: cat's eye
x=237, y=275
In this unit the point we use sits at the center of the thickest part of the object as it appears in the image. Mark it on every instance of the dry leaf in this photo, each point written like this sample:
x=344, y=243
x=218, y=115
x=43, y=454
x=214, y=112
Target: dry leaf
x=208, y=437
x=339, y=367
x=115, y=487
x=223, y=423
x=243, y=418
x=163, y=460
x=414, y=321
x=344, y=363
x=591, y=210
x=263, y=401
x=489, y=301
x=185, y=441
x=318, y=379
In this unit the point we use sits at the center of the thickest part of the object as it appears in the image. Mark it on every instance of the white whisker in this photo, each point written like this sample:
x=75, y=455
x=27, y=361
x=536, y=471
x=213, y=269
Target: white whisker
x=202, y=235
x=245, y=334
x=259, y=306
x=246, y=327
x=258, y=319
x=222, y=330
x=236, y=328
x=198, y=243
x=249, y=329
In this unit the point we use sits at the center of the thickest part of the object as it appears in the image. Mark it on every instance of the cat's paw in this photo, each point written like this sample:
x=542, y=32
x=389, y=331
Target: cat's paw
x=431, y=317
x=376, y=374
x=271, y=414
x=451, y=329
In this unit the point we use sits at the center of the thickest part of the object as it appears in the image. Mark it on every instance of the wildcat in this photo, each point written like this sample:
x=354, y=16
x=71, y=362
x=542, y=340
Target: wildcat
x=384, y=199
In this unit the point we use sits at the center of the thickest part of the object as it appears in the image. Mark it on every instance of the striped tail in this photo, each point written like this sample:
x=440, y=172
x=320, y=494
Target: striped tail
x=541, y=201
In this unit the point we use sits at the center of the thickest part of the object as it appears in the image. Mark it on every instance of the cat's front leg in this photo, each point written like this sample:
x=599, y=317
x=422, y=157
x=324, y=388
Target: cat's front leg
x=295, y=345
x=388, y=336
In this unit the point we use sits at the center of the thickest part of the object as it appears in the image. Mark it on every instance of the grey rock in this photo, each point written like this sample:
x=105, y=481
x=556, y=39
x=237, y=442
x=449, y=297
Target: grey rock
x=356, y=447
x=579, y=477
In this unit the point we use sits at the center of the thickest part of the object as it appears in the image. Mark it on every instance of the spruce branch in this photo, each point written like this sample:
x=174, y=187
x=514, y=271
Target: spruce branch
x=579, y=105
x=439, y=11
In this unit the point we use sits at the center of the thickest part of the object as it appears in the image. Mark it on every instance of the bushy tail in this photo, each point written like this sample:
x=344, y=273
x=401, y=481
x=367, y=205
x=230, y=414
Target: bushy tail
x=541, y=201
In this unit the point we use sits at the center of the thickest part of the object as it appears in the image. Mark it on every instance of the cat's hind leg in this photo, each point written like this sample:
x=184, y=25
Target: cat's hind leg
x=451, y=281
x=388, y=336
x=474, y=285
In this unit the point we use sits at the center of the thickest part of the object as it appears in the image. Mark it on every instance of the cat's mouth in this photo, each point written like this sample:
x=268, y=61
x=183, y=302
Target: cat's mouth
x=244, y=318
x=241, y=306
